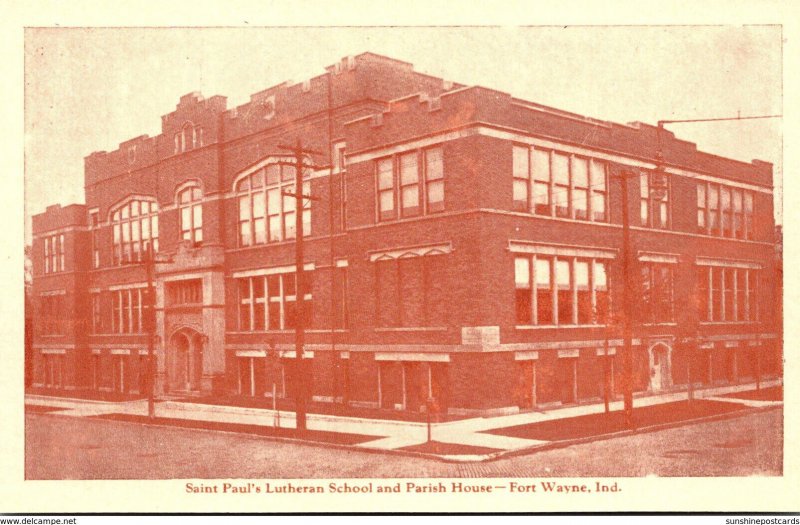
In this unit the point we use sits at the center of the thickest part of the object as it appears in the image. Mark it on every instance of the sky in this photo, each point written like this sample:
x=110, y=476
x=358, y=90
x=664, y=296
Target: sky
x=90, y=89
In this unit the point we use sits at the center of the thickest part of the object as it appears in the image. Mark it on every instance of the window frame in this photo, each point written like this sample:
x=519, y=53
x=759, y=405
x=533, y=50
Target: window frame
x=552, y=289
x=424, y=160
x=124, y=223
x=194, y=205
x=534, y=183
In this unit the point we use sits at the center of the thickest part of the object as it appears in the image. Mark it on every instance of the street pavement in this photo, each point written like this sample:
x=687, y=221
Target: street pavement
x=389, y=434
x=58, y=447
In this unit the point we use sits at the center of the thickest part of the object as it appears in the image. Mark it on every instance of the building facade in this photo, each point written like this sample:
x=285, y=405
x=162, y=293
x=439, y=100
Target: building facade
x=461, y=245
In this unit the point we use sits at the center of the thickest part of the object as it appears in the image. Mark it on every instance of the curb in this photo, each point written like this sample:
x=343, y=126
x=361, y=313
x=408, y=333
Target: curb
x=623, y=433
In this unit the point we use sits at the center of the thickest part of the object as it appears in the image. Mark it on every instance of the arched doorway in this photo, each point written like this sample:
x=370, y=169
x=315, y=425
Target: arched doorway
x=185, y=361
x=660, y=366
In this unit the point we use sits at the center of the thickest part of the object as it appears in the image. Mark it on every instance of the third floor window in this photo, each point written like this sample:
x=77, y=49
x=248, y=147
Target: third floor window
x=191, y=209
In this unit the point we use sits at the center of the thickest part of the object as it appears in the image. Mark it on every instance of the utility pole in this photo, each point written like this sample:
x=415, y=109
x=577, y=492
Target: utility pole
x=151, y=333
x=300, y=374
x=627, y=299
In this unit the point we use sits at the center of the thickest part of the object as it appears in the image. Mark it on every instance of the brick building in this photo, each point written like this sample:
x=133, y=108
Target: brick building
x=462, y=244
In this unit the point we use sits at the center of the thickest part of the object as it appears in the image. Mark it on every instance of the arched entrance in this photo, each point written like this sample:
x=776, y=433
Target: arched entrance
x=185, y=361
x=660, y=366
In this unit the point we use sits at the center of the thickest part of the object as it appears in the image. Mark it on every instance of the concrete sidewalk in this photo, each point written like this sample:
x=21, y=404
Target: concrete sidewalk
x=389, y=434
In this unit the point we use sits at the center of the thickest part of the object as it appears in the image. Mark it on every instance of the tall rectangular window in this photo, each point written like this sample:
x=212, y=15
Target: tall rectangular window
x=657, y=293
x=654, y=206
x=560, y=290
x=94, y=226
x=561, y=193
x=386, y=191
x=409, y=185
x=434, y=180
x=702, y=208
x=541, y=182
x=52, y=315
x=96, y=314
x=598, y=191
x=521, y=176
x=128, y=309
x=54, y=253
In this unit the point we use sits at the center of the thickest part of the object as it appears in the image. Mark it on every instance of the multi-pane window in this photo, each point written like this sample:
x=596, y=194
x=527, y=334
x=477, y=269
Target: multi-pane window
x=412, y=183
x=94, y=225
x=191, y=209
x=560, y=290
x=52, y=319
x=727, y=294
x=129, y=308
x=657, y=293
x=654, y=208
x=269, y=302
x=267, y=206
x=188, y=292
x=54, y=253
x=557, y=184
x=135, y=227
x=725, y=211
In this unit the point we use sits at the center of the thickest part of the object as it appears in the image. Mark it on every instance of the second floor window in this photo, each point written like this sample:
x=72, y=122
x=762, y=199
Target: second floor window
x=657, y=293
x=54, y=253
x=135, y=226
x=269, y=302
x=97, y=319
x=724, y=211
x=94, y=225
x=410, y=184
x=128, y=310
x=191, y=209
x=189, y=292
x=266, y=213
x=560, y=291
x=557, y=184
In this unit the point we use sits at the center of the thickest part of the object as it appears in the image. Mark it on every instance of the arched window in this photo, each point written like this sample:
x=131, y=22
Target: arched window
x=266, y=214
x=135, y=226
x=191, y=209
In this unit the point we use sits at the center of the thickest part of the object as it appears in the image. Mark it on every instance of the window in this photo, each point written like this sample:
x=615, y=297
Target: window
x=97, y=325
x=560, y=290
x=269, y=302
x=188, y=138
x=191, y=210
x=340, y=166
x=54, y=253
x=266, y=213
x=657, y=293
x=189, y=292
x=654, y=211
x=727, y=294
x=135, y=226
x=52, y=314
x=724, y=211
x=412, y=182
x=129, y=308
x=94, y=225
x=556, y=184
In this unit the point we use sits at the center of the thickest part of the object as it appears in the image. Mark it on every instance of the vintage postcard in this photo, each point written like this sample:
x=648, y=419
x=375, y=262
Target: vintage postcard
x=476, y=268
